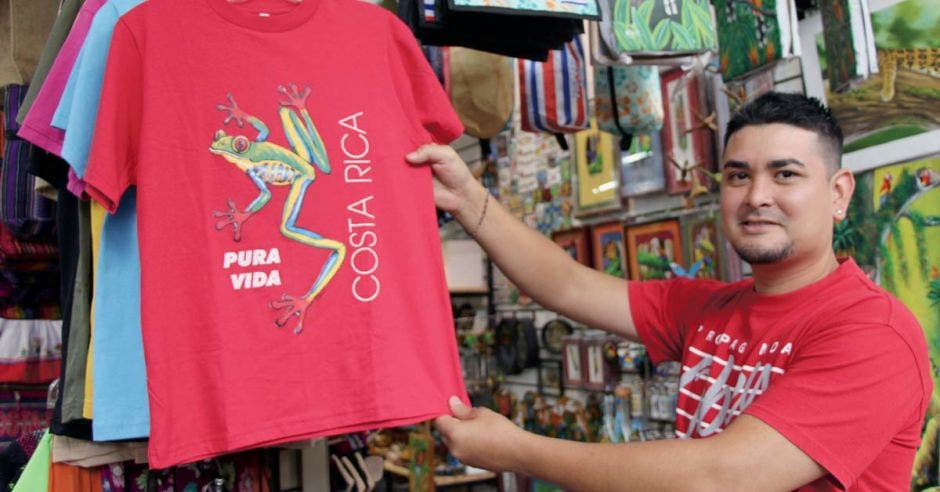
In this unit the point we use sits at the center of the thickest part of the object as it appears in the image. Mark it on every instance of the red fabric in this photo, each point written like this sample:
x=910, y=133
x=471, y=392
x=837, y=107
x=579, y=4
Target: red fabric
x=29, y=371
x=839, y=368
x=222, y=376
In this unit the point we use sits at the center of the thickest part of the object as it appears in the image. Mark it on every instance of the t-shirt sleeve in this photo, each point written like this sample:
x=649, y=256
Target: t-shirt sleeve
x=113, y=157
x=842, y=378
x=659, y=309
x=60, y=118
x=424, y=101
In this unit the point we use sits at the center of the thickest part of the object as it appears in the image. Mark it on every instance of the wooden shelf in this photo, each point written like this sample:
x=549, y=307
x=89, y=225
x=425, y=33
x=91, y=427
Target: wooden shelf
x=443, y=480
x=469, y=291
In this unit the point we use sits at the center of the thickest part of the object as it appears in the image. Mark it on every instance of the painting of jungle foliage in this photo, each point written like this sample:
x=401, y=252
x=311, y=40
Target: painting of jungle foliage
x=903, y=98
x=892, y=231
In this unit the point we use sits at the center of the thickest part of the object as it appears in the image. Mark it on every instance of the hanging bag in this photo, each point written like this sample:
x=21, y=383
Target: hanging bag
x=553, y=93
x=659, y=27
x=480, y=88
x=25, y=212
x=628, y=100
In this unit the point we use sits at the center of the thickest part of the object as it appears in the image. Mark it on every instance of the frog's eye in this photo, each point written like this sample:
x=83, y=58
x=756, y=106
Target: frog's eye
x=240, y=144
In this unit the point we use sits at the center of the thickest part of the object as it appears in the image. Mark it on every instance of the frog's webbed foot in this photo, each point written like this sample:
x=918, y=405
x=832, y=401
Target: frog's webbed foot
x=295, y=99
x=290, y=307
x=234, y=217
x=234, y=112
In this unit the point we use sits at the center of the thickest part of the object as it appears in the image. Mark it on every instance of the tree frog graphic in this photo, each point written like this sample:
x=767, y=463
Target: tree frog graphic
x=269, y=164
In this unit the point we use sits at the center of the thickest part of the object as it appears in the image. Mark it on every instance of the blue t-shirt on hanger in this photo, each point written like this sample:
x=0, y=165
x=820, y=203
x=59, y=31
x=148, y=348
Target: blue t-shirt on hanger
x=119, y=380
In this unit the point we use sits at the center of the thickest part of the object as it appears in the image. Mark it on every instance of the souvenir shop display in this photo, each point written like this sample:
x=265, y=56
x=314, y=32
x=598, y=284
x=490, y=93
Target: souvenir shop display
x=214, y=253
x=258, y=285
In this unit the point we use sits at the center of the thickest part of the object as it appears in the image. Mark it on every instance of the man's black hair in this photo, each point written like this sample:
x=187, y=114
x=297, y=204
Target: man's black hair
x=797, y=110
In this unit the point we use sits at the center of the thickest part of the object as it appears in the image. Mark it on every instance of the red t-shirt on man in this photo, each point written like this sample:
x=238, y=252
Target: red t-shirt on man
x=838, y=367
x=291, y=276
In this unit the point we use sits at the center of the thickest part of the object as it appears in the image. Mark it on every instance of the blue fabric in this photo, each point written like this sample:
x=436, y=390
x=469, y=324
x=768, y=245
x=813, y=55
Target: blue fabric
x=78, y=107
x=119, y=380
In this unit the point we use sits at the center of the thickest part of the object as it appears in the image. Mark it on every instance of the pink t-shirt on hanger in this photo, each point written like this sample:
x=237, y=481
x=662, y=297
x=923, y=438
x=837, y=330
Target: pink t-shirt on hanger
x=37, y=127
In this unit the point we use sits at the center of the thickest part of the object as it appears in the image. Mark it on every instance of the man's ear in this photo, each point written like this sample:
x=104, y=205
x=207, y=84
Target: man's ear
x=842, y=185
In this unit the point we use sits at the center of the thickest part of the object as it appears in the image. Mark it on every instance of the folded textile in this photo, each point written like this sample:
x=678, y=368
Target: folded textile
x=80, y=452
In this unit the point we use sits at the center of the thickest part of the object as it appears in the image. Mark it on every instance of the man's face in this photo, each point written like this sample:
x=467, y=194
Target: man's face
x=777, y=202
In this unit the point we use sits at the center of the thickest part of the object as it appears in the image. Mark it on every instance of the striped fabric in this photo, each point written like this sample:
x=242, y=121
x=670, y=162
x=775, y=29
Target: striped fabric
x=26, y=213
x=30, y=350
x=428, y=10
x=14, y=250
x=553, y=93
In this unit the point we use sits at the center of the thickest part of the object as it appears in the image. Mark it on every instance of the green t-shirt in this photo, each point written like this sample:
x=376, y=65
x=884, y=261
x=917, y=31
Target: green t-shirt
x=60, y=30
x=35, y=477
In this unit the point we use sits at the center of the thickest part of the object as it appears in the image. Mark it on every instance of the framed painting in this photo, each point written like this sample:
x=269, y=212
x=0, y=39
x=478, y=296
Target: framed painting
x=641, y=167
x=596, y=172
x=608, y=249
x=651, y=249
x=575, y=242
x=686, y=134
x=894, y=115
x=703, y=247
x=550, y=377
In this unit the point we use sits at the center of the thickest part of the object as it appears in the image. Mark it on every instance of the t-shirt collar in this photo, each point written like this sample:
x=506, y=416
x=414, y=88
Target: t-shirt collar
x=266, y=15
x=847, y=268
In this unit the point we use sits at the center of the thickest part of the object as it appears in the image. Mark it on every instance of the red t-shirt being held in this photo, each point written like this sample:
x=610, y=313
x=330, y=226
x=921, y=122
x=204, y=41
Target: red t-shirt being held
x=291, y=276
x=838, y=367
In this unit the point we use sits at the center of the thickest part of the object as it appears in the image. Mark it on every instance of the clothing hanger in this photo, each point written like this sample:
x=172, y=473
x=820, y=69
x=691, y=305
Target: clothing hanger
x=351, y=469
x=372, y=468
x=343, y=472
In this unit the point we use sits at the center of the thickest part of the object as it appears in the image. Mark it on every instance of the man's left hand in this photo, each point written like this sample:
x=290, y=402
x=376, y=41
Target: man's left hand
x=479, y=436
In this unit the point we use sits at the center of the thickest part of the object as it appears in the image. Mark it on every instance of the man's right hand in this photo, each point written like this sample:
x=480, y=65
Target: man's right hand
x=533, y=262
x=455, y=189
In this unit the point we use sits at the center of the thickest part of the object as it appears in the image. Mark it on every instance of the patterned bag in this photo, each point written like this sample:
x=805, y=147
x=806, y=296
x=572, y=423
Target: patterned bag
x=26, y=213
x=553, y=93
x=628, y=100
x=658, y=27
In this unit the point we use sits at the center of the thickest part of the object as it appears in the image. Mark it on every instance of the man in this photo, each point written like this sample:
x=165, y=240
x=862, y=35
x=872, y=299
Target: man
x=806, y=375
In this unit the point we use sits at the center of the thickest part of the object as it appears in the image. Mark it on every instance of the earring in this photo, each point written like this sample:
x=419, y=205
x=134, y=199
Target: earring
x=839, y=212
